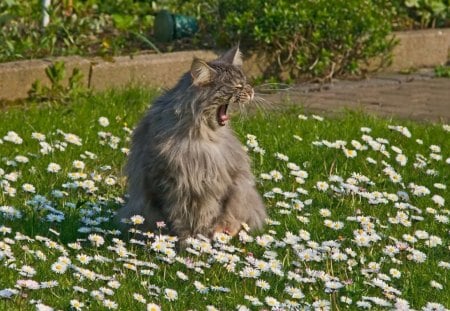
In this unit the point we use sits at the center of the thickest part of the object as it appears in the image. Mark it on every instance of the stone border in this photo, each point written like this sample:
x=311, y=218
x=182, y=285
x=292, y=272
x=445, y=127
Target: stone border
x=416, y=49
x=421, y=48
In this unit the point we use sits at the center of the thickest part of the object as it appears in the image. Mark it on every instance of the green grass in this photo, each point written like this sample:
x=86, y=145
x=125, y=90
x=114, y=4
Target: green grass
x=274, y=133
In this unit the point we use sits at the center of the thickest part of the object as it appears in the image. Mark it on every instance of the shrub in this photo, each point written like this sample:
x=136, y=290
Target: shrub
x=94, y=27
x=319, y=38
x=423, y=13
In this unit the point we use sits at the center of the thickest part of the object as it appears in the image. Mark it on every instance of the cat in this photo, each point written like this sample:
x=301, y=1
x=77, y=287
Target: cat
x=185, y=166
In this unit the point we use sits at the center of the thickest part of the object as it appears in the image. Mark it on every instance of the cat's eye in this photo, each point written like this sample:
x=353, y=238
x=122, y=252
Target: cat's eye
x=239, y=86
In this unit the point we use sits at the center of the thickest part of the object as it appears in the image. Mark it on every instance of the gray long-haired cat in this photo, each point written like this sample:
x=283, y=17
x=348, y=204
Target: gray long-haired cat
x=186, y=167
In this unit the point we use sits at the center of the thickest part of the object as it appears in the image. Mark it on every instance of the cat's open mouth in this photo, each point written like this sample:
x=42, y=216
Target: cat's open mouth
x=222, y=116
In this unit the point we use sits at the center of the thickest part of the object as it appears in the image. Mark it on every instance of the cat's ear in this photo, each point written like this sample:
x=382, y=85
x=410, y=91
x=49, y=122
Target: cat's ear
x=201, y=72
x=233, y=57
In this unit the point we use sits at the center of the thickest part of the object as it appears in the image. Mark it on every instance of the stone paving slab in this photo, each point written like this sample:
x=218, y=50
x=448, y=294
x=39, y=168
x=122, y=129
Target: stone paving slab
x=419, y=96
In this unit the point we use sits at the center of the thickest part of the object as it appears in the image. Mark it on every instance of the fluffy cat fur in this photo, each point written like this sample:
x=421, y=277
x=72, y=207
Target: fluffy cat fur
x=185, y=166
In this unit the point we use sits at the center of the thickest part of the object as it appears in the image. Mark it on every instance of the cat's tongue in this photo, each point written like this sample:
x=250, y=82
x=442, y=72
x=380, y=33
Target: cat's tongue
x=222, y=115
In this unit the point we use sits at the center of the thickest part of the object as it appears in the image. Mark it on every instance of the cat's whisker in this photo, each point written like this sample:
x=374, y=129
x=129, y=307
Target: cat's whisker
x=244, y=112
x=272, y=88
x=262, y=105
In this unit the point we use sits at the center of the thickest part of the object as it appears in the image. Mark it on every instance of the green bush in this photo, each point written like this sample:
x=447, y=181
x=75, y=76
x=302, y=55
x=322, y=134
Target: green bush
x=319, y=38
x=90, y=27
x=423, y=13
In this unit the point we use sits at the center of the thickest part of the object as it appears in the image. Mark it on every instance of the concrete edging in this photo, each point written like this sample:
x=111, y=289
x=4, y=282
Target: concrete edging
x=423, y=48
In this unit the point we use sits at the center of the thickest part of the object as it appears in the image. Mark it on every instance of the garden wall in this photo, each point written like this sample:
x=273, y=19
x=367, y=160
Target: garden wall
x=416, y=49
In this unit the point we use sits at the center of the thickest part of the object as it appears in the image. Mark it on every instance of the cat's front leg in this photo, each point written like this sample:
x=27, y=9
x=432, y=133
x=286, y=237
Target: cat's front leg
x=243, y=204
x=188, y=219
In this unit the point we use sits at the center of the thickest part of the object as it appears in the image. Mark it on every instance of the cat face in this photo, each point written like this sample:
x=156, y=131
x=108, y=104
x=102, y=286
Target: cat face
x=222, y=83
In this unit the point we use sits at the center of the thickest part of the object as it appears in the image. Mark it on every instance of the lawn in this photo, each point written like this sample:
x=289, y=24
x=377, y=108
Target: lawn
x=358, y=210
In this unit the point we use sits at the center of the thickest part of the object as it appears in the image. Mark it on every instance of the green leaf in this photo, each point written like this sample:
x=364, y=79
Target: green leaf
x=123, y=22
x=412, y=3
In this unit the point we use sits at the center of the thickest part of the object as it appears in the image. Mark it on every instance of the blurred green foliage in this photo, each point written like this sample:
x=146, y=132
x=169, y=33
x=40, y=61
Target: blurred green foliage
x=316, y=39
x=90, y=27
x=423, y=13
x=312, y=38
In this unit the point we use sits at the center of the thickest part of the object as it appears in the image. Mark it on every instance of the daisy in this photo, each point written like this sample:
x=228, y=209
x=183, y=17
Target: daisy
x=322, y=305
x=78, y=164
x=249, y=272
x=356, y=144
x=110, y=181
x=38, y=136
x=435, y=156
x=440, y=201
x=42, y=307
x=440, y=186
x=346, y=300
x=170, y=294
x=114, y=284
x=433, y=241
x=276, y=175
x=294, y=292
x=435, y=148
x=5, y=230
x=332, y=286
x=73, y=139
x=153, y=307
x=281, y=157
x=8, y=292
x=21, y=159
x=13, y=137
x=395, y=273
x=322, y=186
x=436, y=285
x=401, y=159
x=76, y=304
x=272, y=302
x=296, y=137
x=265, y=176
x=84, y=259
x=417, y=256
x=253, y=300
x=110, y=304
x=434, y=306
x=324, y=212
x=27, y=271
x=182, y=276
x=29, y=188
x=442, y=219
x=103, y=121
x=202, y=289
x=137, y=220
x=30, y=284
x=13, y=176
x=139, y=298
x=80, y=289
x=318, y=118
x=371, y=161
x=350, y=153
x=444, y=264
x=262, y=284
x=96, y=240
